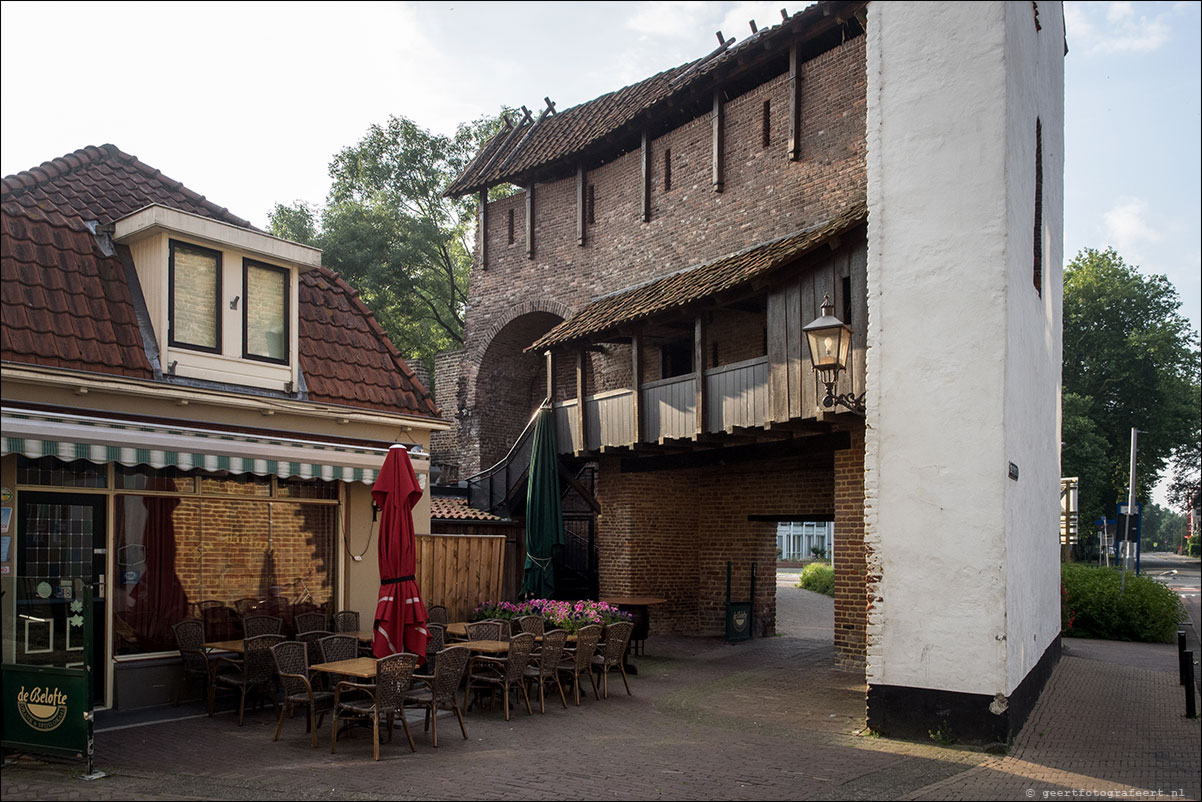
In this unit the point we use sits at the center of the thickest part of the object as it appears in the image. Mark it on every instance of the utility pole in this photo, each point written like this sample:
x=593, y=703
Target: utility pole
x=1130, y=508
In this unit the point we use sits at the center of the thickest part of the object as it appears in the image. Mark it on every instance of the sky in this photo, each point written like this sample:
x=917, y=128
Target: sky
x=246, y=103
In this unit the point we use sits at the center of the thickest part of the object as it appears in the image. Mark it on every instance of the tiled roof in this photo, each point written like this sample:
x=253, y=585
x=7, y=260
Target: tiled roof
x=67, y=304
x=455, y=508
x=695, y=283
x=551, y=138
x=345, y=354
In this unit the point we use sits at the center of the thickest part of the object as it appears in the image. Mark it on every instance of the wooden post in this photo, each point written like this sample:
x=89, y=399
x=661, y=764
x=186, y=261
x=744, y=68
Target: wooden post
x=636, y=384
x=550, y=376
x=582, y=440
x=646, y=178
x=581, y=201
x=699, y=371
x=530, y=221
x=484, y=229
x=794, y=104
x=719, y=124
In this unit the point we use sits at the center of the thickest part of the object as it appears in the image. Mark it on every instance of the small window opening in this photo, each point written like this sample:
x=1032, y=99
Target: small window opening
x=667, y=169
x=713, y=355
x=592, y=204
x=511, y=226
x=676, y=358
x=847, y=301
x=1035, y=8
x=1037, y=254
x=767, y=130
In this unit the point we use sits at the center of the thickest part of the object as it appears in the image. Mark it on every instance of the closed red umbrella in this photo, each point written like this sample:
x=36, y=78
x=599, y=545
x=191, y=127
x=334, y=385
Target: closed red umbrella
x=401, y=617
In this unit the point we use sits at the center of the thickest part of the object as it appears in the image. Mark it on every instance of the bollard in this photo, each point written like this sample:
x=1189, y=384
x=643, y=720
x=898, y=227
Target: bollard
x=1191, y=703
x=1181, y=654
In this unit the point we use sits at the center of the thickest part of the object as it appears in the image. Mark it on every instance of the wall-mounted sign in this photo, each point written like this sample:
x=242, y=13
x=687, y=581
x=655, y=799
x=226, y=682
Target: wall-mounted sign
x=6, y=517
x=47, y=709
x=6, y=495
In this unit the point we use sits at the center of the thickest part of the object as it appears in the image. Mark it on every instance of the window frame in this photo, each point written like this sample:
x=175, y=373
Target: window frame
x=172, y=340
x=247, y=264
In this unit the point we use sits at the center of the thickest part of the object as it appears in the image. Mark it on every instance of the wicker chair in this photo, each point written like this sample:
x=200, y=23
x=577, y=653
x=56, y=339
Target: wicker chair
x=254, y=671
x=256, y=625
x=312, y=640
x=489, y=629
x=534, y=624
x=292, y=666
x=309, y=622
x=502, y=673
x=545, y=667
x=437, y=614
x=578, y=660
x=338, y=647
x=610, y=654
x=190, y=638
x=346, y=621
x=434, y=644
x=442, y=688
x=394, y=675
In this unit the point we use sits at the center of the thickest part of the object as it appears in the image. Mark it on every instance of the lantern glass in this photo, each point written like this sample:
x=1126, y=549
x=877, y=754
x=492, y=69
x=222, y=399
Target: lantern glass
x=829, y=344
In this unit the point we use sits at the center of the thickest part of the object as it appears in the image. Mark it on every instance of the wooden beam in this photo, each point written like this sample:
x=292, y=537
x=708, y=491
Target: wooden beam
x=581, y=211
x=582, y=441
x=699, y=370
x=575, y=484
x=530, y=220
x=718, y=119
x=646, y=160
x=794, y=103
x=636, y=385
x=484, y=229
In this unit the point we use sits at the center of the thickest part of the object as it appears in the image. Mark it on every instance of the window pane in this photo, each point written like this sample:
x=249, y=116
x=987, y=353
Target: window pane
x=306, y=488
x=195, y=280
x=266, y=302
x=53, y=472
x=242, y=484
x=142, y=477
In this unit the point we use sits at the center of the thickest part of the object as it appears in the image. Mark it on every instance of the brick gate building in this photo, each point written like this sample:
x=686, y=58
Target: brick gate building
x=653, y=274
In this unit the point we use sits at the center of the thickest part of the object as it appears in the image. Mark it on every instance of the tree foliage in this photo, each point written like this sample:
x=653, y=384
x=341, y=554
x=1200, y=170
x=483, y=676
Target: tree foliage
x=389, y=231
x=1130, y=360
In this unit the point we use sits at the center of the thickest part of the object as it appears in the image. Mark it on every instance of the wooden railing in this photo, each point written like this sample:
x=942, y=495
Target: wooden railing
x=460, y=571
x=567, y=426
x=609, y=419
x=737, y=395
x=670, y=408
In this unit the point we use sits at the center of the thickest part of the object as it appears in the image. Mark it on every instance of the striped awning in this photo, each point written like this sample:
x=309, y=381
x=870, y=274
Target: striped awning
x=100, y=440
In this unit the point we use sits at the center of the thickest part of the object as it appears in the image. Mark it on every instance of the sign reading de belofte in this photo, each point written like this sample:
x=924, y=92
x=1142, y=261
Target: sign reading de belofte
x=47, y=709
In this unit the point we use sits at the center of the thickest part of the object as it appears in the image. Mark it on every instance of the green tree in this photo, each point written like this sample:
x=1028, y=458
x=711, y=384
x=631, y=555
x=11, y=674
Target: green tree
x=387, y=228
x=1130, y=360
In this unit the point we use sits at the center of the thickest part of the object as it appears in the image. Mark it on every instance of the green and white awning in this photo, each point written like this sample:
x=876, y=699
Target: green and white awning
x=100, y=440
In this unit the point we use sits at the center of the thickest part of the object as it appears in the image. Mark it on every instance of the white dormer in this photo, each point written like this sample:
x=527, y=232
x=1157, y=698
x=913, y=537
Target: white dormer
x=222, y=299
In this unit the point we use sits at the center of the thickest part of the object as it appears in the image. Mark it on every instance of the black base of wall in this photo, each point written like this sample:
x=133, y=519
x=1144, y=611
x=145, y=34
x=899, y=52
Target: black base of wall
x=921, y=714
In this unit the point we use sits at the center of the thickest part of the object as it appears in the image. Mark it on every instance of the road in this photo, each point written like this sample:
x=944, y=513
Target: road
x=1182, y=574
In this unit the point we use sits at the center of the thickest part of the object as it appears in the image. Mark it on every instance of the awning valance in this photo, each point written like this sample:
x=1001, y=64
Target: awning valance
x=100, y=440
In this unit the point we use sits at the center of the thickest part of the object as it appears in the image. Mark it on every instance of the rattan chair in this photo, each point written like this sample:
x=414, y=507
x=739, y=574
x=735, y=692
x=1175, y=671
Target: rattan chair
x=346, y=621
x=503, y=673
x=437, y=614
x=579, y=660
x=255, y=671
x=309, y=622
x=434, y=644
x=544, y=668
x=441, y=688
x=190, y=638
x=338, y=647
x=534, y=624
x=292, y=666
x=386, y=697
x=611, y=653
x=256, y=625
x=489, y=629
x=312, y=640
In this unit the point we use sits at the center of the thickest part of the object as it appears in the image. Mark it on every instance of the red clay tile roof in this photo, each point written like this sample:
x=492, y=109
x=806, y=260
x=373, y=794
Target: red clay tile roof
x=692, y=284
x=455, y=508
x=67, y=305
x=565, y=134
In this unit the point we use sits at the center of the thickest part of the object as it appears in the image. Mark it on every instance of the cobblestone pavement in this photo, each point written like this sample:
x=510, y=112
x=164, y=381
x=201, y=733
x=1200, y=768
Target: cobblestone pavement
x=767, y=719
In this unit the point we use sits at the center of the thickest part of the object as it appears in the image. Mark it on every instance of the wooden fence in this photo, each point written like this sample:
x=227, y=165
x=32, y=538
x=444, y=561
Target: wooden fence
x=460, y=571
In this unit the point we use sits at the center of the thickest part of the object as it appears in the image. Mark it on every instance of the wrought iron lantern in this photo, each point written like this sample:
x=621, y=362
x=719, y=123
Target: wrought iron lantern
x=829, y=339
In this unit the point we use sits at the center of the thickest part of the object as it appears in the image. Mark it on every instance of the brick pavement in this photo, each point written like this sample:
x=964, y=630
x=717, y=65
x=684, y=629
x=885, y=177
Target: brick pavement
x=769, y=719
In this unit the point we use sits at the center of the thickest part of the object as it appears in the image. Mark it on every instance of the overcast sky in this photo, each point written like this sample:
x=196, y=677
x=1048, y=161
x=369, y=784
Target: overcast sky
x=246, y=103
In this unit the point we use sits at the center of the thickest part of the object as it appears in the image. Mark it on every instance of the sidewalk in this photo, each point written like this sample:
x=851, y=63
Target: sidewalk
x=766, y=719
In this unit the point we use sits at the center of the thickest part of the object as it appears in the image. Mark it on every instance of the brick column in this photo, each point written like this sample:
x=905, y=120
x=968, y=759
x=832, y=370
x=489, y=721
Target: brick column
x=851, y=598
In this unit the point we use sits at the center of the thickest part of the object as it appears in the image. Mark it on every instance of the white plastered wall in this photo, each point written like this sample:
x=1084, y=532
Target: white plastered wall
x=963, y=364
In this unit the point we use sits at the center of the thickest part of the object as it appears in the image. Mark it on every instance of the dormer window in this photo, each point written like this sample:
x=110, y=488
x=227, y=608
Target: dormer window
x=195, y=297
x=265, y=331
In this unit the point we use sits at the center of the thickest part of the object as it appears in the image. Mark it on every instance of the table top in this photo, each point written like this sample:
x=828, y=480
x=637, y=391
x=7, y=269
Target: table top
x=362, y=667
x=633, y=601
x=485, y=646
x=457, y=629
x=225, y=646
x=362, y=634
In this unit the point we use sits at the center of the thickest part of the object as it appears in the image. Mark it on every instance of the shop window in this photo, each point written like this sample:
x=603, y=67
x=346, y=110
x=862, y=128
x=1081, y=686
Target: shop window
x=195, y=278
x=265, y=330
x=243, y=484
x=306, y=488
x=54, y=472
x=141, y=477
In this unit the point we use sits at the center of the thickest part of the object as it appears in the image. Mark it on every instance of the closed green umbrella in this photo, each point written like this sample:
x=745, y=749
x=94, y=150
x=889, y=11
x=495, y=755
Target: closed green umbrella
x=544, y=516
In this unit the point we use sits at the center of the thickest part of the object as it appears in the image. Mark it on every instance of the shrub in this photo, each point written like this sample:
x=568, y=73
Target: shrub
x=818, y=577
x=1093, y=605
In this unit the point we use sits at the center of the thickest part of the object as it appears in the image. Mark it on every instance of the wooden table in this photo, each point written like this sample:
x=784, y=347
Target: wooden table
x=485, y=646
x=361, y=667
x=361, y=634
x=235, y=646
x=457, y=629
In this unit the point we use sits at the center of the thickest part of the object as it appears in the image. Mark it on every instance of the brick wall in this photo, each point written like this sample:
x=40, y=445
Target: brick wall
x=670, y=533
x=765, y=196
x=444, y=446
x=851, y=601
